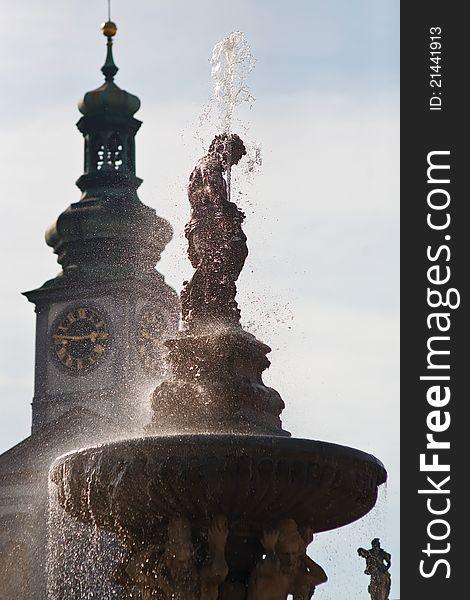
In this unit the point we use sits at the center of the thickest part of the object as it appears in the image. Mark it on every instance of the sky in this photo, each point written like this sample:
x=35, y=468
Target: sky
x=321, y=282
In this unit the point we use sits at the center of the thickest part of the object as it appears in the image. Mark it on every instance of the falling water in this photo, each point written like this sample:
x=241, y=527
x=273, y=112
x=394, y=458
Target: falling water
x=231, y=63
x=80, y=559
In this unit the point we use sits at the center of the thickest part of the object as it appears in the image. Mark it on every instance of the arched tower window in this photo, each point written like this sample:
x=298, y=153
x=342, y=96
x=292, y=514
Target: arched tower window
x=114, y=153
x=109, y=155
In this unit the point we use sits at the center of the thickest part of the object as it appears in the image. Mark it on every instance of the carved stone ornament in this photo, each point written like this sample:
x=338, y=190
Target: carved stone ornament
x=172, y=570
x=286, y=568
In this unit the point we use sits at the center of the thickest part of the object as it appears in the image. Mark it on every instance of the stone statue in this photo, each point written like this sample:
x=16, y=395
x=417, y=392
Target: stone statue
x=217, y=245
x=286, y=568
x=171, y=572
x=378, y=563
x=310, y=573
x=215, y=569
x=215, y=367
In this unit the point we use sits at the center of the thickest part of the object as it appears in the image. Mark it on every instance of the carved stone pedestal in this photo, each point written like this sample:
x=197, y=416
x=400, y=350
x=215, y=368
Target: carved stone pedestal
x=216, y=386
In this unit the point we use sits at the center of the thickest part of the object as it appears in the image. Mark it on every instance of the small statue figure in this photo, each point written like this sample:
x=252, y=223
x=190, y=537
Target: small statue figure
x=378, y=563
x=171, y=573
x=217, y=244
x=286, y=568
x=215, y=569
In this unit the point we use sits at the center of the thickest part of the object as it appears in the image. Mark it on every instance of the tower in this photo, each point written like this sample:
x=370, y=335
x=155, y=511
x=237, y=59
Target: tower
x=100, y=326
x=100, y=322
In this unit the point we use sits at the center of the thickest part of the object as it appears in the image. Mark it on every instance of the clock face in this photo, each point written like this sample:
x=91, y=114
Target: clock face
x=150, y=336
x=80, y=339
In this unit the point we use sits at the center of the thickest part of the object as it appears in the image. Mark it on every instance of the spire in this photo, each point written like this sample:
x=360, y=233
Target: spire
x=109, y=232
x=109, y=69
x=109, y=99
x=109, y=127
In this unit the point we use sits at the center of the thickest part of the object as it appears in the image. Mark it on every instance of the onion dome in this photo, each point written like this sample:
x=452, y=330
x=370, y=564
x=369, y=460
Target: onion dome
x=109, y=98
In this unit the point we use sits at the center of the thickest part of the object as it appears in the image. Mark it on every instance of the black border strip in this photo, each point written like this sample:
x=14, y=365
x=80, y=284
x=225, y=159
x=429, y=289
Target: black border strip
x=443, y=129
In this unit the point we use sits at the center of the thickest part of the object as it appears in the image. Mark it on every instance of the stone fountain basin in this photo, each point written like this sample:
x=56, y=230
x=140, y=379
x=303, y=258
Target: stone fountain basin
x=129, y=487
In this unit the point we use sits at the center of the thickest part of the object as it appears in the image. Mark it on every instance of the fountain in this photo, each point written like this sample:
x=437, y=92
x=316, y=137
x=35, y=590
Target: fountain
x=216, y=500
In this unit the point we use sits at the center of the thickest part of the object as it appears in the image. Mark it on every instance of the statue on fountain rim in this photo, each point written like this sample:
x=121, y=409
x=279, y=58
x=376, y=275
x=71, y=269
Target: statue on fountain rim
x=217, y=245
x=171, y=573
x=378, y=563
x=286, y=568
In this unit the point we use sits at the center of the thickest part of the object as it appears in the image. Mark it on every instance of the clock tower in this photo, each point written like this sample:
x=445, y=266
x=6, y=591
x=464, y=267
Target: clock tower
x=100, y=327
x=101, y=321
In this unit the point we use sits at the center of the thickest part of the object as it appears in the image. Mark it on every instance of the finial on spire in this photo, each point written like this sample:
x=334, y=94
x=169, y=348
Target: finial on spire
x=109, y=98
x=109, y=69
x=109, y=29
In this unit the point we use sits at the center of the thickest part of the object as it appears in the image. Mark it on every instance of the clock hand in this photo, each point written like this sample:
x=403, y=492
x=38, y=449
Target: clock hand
x=77, y=338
